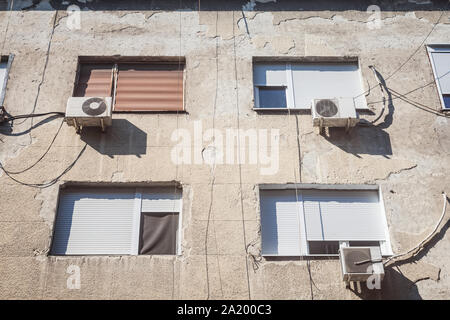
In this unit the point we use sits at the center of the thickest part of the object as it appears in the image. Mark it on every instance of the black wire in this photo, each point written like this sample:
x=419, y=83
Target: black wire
x=43, y=155
x=208, y=221
x=51, y=182
x=413, y=90
x=417, y=104
x=236, y=79
x=410, y=57
x=44, y=71
x=23, y=116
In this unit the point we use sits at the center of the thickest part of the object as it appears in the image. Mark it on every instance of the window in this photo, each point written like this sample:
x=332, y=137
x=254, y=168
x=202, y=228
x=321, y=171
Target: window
x=440, y=61
x=5, y=65
x=117, y=221
x=295, y=85
x=306, y=221
x=139, y=86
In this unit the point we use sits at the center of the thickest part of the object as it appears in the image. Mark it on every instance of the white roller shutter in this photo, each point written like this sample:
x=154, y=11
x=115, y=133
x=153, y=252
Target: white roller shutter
x=280, y=225
x=99, y=222
x=343, y=215
x=318, y=81
x=270, y=75
x=3, y=67
x=441, y=61
x=161, y=202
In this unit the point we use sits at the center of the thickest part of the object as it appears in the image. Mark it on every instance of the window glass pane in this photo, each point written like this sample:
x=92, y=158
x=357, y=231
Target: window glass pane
x=441, y=62
x=2, y=75
x=158, y=233
x=446, y=101
x=323, y=247
x=364, y=243
x=272, y=97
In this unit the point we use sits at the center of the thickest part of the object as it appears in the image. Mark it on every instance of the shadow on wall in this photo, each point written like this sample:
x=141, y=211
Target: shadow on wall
x=367, y=138
x=236, y=5
x=361, y=140
x=7, y=128
x=396, y=286
x=122, y=138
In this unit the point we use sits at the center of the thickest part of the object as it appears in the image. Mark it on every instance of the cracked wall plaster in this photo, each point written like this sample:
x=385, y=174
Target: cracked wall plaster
x=407, y=153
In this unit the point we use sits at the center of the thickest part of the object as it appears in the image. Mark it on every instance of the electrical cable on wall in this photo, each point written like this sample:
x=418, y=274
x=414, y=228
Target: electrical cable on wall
x=213, y=177
x=414, y=251
x=415, y=89
x=411, y=56
x=43, y=72
x=299, y=160
x=40, y=158
x=239, y=153
x=176, y=165
x=6, y=118
x=51, y=182
x=400, y=96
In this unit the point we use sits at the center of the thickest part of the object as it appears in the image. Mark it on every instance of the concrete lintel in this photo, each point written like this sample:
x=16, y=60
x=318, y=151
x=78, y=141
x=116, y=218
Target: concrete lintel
x=317, y=186
x=307, y=59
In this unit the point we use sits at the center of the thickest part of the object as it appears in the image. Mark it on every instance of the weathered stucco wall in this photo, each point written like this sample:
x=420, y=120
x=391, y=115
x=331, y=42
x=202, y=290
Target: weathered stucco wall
x=407, y=152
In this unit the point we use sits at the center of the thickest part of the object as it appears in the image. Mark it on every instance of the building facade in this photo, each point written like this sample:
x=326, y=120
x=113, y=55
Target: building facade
x=212, y=180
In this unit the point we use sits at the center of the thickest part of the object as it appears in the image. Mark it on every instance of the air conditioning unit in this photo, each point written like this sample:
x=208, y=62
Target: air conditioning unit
x=89, y=112
x=359, y=263
x=336, y=112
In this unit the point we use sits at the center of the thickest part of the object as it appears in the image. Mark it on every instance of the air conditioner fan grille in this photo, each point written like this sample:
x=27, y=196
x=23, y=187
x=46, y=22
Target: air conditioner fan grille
x=94, y=106
x=326, y=108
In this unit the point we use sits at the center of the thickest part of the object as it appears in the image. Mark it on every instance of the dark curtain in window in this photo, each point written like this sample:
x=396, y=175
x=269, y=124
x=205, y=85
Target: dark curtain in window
x=158, y=233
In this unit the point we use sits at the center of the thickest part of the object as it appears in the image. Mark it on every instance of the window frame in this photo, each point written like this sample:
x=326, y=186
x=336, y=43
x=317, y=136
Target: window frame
x=431, y=48
x=117, y=61
x=137, y=214
x=288, y=63
x=385, y=246
x=9, y=60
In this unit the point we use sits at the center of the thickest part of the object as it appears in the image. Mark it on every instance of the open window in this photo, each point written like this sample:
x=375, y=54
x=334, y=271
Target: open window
x=134, y=85
x=440, y=62
x=294, y=85
x=117, y=221
x=5, y=66
x=315, y=220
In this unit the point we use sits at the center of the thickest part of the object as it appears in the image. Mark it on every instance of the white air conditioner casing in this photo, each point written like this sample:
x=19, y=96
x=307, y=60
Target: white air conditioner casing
x=89, y=112
x=370, y=263
x=336, y=112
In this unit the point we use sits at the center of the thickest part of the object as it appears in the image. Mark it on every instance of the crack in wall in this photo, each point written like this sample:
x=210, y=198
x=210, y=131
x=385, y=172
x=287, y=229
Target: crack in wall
x=397, y=172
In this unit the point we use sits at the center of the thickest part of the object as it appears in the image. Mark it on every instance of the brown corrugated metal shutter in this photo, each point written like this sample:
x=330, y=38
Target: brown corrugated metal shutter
x=144, y=87
x=95, y=80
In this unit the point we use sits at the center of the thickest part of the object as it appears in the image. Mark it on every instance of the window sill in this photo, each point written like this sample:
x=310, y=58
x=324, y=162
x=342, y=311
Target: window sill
x=150, y=112
x=309, y=256
x=282, y=109
x=72, y=256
